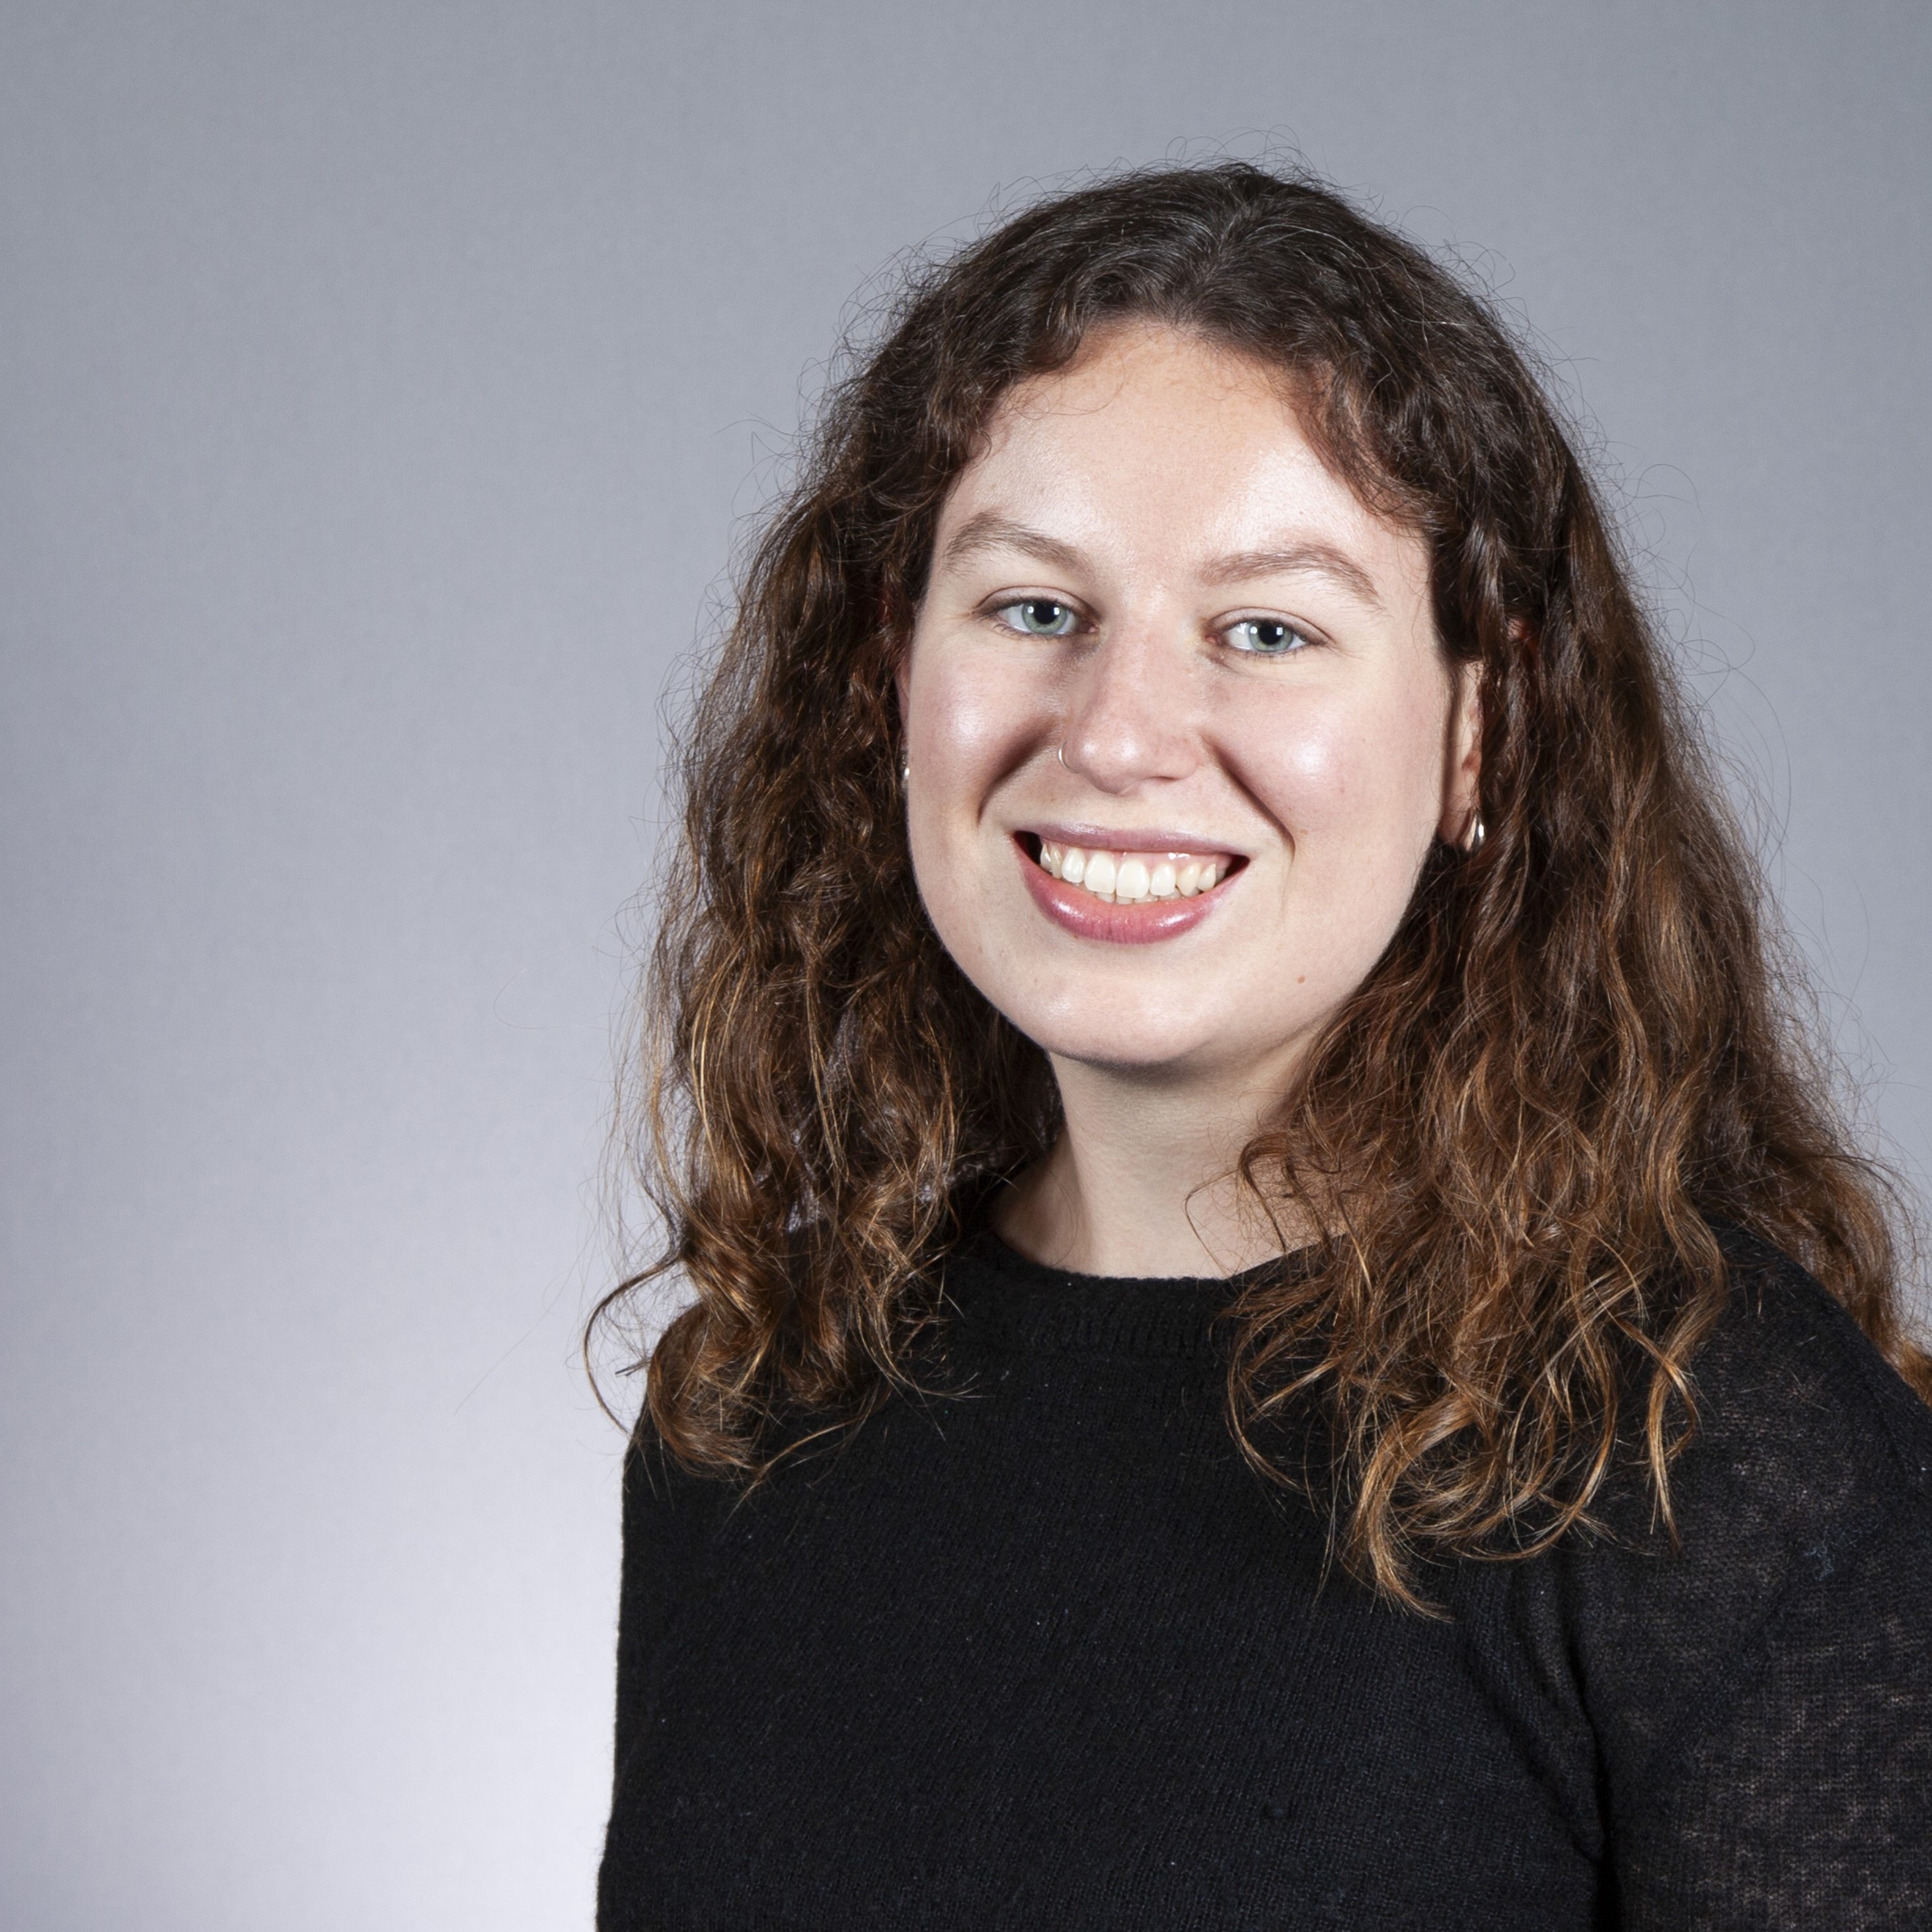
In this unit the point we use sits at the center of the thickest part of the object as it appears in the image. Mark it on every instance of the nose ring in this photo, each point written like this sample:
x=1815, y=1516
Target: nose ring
x=1060, y=752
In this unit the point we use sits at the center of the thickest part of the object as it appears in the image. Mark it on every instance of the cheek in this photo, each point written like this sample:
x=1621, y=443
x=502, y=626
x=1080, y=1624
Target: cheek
x=969, y=719
x=1349, y=776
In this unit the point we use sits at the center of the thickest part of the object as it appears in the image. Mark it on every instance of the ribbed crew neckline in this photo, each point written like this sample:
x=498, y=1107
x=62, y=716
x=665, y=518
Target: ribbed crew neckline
x=1054, y=1310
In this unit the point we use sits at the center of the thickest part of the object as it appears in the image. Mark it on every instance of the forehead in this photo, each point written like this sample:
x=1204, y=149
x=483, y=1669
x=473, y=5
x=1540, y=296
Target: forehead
x=1161, y=432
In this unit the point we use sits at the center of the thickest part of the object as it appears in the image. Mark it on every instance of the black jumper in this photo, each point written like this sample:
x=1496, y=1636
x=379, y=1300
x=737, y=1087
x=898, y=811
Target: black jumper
x=1047, y=1653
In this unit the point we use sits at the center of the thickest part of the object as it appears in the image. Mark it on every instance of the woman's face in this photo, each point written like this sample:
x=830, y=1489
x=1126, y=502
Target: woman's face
x=1180, y=730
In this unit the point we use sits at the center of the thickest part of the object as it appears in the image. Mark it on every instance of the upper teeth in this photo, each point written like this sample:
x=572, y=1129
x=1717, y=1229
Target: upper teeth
x=1127, y=877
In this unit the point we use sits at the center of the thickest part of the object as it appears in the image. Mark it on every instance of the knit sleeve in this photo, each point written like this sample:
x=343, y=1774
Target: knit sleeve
x=1762, y=1695
x=1803, y=1797
x=668, y=1516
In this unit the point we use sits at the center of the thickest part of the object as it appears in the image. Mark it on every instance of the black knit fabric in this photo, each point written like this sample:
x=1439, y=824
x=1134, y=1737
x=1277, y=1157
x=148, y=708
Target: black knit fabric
x=1047, y=1654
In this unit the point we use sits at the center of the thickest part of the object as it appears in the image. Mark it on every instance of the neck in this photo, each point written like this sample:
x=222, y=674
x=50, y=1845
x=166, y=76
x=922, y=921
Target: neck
x=1141, y=1182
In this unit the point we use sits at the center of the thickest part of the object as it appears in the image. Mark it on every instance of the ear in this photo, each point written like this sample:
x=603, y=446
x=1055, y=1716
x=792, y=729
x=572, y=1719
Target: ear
x=1462, y=768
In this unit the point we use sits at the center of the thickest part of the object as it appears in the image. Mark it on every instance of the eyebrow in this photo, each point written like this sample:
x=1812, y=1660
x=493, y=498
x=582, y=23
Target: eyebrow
x=1320, y=559
x=990, y=531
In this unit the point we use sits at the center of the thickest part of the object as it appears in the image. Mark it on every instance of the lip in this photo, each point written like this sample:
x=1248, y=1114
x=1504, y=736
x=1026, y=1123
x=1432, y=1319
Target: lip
x=1141, y=924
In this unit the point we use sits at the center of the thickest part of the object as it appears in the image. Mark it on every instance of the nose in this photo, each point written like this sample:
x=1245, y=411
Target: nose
x=1127, y=722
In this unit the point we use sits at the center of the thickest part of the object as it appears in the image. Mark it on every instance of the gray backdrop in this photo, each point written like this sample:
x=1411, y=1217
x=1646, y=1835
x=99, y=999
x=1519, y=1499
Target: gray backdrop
x=379, y=385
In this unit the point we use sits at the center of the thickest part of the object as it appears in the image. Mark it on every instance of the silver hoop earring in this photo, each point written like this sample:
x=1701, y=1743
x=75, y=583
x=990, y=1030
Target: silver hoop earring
x=1472, y=839
x=905, y=769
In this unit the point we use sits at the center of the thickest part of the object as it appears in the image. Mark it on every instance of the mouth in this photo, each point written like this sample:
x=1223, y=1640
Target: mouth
x=1126, y=875
x=1146, y=887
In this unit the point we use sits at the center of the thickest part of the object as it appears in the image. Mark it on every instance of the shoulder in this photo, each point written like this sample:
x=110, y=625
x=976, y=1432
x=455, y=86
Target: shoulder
x=1805, y=1439
x=669, y=1508
x=680, y=1520
x=1798, y=1550
x=672, y=1515
x=1806, y=1446
x=1757, y=1688
x=1772, y=1636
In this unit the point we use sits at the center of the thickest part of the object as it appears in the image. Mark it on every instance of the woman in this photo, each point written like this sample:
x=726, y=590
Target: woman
x=1284, y=1334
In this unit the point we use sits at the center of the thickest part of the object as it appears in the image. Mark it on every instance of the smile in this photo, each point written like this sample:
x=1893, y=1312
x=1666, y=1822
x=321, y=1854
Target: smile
x=1122, y=895
x=1127, y=878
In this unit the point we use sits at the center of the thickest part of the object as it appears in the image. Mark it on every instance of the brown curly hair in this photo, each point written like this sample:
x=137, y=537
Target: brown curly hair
x=1581, y=1047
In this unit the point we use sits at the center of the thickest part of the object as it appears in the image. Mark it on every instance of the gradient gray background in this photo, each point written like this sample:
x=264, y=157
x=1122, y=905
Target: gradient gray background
x=380, y=385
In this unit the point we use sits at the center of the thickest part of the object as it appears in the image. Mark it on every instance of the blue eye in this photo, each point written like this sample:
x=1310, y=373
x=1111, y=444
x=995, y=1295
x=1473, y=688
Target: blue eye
x=1041, y=616
x=1265, y=637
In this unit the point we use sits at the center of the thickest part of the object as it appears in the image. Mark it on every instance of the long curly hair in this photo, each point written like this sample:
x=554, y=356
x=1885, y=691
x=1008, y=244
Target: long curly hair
x=1582, y=1046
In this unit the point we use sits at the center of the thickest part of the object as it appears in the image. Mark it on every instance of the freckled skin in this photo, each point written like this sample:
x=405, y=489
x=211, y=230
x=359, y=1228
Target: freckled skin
x=1331, y=768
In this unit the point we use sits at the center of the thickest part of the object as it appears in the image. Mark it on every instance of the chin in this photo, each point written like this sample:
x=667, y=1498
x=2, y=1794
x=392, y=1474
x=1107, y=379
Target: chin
x=1107, y=1057
x=1152, y=1042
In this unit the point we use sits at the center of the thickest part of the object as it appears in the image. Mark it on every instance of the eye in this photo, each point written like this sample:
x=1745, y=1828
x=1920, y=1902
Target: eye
x=1266, y=636
x=1039, y=617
